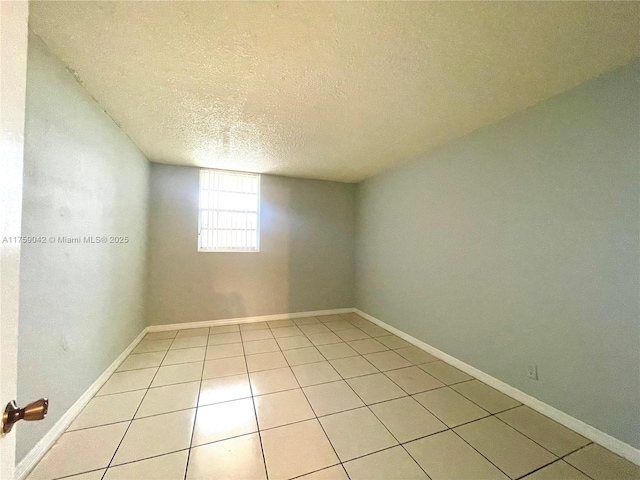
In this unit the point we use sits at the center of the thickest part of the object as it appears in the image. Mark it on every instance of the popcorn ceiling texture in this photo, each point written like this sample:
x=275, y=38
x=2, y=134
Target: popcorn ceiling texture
x=335, y=91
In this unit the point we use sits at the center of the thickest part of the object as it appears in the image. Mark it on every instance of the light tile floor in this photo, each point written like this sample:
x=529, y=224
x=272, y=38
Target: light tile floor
x=333, y=397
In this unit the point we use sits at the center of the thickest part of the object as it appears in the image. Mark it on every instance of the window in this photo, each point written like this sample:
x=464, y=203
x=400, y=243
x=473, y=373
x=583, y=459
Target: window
x=229, y=214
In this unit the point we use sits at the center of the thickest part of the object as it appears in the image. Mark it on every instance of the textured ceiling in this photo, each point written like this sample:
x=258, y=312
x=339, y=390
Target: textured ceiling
x=336, y=91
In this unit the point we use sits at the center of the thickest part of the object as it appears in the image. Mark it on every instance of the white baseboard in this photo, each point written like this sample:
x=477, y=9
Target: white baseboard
x=42, y=447
x=233, y=321
x=617, y=446
x=607, y=441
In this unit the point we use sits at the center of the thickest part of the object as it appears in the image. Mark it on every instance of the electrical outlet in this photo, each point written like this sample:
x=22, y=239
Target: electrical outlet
x=532, y=372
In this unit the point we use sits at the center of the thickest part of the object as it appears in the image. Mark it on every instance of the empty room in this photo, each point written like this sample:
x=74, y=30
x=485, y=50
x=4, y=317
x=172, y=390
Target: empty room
x=319, y=240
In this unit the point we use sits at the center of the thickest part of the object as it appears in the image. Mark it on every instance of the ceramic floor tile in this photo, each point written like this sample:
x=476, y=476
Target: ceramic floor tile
x=413, y=380
x=223, y=329
x=355, y=433
x=406, y=419
x=445, y=372
x=185, y=355
x=290, y=343
x=559, y=470
x=301, y=356
x=352, y=334
x=314, y=329
x=445, y=456
x=509, y=450
x=353, y=317
x=189, y=342
x=315, y=373
x=450, y=407
x=385, y=465
x=488, y=398
x=286, y=332
x=223, y=367
x=164, y=467
x=253, y=335
x=388, y=360
x=556, y=438
x=323, y=338
x=601, y=464
x=247, y=327
x=368, y=345
x=281, y=323
x=261, y=346
x=193, y=332
x=224, y=338
x=338, y=325
x=224, y=351
x=332, y=397
x=329, y=318
x=171, y=432
x=224, y=420
x=332, y=473
x=296, y=449
x=142, y=360
x=375, y=388
x=353, y=367
x=362, y=323
x=147, y=346
x=336, y=350
x=306, y=321
x=182, y=373
x=236, y=458
x=265, y=361
x=282, y=408
x=393, y=342
x=80, y=451
x=416, y=355
x=108, y=409
x=169, y=399
x=374, y=330
x=127, y=381
x=161, y=335
x=270, y=381
x=223, y=389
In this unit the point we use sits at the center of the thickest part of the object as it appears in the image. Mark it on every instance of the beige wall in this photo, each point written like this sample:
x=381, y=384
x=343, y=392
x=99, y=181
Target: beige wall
x=306, y=258
x=518, y=245
x=81, y=305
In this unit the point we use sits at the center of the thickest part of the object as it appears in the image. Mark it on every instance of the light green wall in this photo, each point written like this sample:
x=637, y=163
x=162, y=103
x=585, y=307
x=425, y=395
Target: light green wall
x=519, y=244
x=80, y=305
x=306, y=258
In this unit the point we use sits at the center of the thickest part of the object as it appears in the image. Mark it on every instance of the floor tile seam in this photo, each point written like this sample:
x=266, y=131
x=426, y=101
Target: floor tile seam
x=195, y=418
x=522, y=433
x=396, y=438
x=548, y=465
x=313, y=410
x=480, y=453
x=135, y=413
x=255, y=411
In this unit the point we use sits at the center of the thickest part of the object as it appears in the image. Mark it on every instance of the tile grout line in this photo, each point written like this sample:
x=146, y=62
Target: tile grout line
x=138, y=408
x=399, y=443
x=309, y=403
x=558, y=458
x=472, y=421
x=367, y=406
x=195, y=417
x=253, y=403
